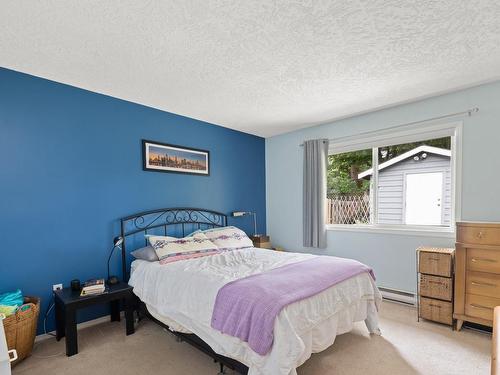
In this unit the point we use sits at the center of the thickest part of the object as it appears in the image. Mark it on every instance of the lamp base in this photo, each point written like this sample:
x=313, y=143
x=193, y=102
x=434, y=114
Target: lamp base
x=112, y=280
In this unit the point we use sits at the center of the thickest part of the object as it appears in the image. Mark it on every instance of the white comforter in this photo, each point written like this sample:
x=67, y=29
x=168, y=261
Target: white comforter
x=182, y=295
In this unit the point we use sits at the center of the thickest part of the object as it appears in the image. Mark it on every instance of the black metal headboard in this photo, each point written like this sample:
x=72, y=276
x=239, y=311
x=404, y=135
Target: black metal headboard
x=166, y=222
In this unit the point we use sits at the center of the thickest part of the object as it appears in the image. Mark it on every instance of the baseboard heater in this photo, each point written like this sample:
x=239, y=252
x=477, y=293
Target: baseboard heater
x=398, y=296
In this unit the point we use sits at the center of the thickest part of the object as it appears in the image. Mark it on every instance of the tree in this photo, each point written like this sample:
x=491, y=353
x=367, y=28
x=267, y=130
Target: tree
x=342, y=174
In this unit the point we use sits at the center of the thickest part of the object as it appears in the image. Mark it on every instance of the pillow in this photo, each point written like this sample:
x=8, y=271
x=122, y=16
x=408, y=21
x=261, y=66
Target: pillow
x=171, y=249
x=228, y=238
x=145, y=253
x=196, y=231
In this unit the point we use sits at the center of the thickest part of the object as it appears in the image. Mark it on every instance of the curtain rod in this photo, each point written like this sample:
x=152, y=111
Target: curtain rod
x=469, y=113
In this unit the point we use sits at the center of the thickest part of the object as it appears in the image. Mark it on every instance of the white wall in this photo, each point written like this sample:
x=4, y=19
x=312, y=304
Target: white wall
x=392, y=256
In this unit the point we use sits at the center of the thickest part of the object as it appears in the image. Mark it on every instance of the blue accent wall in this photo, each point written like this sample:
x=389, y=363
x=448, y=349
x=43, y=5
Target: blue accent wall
x=71, y=166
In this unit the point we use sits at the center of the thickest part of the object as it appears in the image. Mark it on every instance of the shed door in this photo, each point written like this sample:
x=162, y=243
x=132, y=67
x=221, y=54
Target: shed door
x=424, y=196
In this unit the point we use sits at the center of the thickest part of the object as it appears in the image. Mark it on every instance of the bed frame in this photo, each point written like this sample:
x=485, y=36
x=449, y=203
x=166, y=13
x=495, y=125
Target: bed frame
x=175, y=222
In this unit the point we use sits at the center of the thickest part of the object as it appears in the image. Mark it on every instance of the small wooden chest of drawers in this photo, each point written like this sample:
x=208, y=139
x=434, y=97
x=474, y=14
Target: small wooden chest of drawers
x=435, y=284
x=261, y=241
x=477, y=282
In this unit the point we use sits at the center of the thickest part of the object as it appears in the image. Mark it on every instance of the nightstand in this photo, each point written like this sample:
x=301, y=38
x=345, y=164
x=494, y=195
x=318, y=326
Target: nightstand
x=261, y=241
x=68, y=302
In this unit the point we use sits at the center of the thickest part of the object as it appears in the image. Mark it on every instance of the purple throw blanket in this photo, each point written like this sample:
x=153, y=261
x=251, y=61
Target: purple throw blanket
x=247, y=308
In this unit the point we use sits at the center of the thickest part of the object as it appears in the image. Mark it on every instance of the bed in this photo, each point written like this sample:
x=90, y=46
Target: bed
x=180, y=296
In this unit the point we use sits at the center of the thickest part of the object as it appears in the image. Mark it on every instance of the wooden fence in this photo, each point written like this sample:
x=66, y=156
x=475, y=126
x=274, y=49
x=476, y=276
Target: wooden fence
x=348, y=209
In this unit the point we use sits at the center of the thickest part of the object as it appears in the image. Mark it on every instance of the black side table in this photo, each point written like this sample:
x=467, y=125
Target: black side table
x=68, y=302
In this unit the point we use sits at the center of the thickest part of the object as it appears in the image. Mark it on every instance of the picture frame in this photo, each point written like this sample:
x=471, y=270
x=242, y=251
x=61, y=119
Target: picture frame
x=169, y=158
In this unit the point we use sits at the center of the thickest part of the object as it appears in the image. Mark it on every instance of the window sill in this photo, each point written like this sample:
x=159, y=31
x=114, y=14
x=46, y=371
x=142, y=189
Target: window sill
x=390, y=229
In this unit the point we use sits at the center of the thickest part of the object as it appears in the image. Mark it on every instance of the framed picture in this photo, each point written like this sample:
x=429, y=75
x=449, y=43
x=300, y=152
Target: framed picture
x=162, y=157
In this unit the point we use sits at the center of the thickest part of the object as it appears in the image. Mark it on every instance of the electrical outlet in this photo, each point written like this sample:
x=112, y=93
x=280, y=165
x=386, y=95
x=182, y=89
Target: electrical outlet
x=57, y=287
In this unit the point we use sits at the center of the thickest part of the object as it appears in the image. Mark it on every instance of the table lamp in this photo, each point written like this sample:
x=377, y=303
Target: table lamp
x=117, y=242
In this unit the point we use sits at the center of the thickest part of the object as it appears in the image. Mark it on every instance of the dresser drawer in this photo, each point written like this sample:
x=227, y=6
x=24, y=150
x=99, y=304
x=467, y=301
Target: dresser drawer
x=435, y=263
x=480, y=306
x=435, y=287
x=483, y=284
x=481, y=235
x=436, y=310
x=483, y=260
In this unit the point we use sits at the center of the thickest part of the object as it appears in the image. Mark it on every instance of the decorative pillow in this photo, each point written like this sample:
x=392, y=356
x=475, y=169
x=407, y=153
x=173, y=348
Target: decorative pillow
x=228, y=238
x=145, y=253
x=171, y=249
x=196, y=231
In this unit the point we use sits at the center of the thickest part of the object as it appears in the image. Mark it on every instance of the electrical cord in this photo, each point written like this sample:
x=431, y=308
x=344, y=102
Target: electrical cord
x=47, y=312
x=44, y=356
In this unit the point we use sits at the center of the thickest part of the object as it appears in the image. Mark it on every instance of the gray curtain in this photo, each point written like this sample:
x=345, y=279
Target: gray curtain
x=314, y=195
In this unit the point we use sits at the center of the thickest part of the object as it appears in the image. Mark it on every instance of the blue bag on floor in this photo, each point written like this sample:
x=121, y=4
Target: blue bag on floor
x=12, y=298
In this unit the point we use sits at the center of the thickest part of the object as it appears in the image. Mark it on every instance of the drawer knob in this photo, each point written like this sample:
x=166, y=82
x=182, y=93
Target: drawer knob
x=483, y=260
x=433, y=305
x=436, y=282
x=480, y=234
x=480, y=307
x=482, y=284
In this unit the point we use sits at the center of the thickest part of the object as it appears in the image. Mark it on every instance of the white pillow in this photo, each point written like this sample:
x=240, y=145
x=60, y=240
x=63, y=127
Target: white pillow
x=228, y=238
x=172, y=248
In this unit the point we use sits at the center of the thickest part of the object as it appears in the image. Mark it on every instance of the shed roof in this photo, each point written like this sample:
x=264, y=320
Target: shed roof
x=406, y=155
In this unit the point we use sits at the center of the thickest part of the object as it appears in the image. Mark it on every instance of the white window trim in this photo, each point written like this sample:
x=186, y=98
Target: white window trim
x=354, y=143
x=403, y=229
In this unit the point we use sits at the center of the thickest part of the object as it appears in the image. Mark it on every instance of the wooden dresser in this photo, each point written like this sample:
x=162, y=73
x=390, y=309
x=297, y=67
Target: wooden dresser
x=477, y=272
x=435, y=284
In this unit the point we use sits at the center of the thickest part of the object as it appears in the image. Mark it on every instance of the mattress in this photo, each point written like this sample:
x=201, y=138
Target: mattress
x=182, y=295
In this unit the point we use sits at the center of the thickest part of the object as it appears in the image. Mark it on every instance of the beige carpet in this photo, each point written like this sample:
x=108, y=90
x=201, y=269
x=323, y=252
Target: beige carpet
x=405, y=347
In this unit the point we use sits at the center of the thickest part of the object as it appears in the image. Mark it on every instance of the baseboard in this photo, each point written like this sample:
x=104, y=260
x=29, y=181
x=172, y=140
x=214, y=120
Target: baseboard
x=88, y=323
x=400, y=296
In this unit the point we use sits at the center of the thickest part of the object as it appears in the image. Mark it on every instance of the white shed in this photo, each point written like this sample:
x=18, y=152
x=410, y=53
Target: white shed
x=415, y=187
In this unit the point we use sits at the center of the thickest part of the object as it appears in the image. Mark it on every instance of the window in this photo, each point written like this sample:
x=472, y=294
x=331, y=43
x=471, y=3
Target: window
x=401, y=181
x=348, y=197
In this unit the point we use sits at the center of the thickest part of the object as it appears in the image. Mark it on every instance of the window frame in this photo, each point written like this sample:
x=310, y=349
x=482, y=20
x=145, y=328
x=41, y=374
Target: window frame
x=383, y=138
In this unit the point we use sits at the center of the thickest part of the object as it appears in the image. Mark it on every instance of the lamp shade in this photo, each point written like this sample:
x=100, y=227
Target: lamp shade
x=117, y=241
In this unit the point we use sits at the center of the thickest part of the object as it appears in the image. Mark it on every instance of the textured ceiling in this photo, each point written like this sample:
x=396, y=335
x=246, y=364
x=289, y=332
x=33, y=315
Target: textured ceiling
x=263, y=67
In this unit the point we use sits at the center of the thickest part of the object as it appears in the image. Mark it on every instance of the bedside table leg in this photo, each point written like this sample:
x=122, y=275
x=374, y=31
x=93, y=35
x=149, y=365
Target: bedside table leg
x=60, y=321
x=115, y=310
x=71, y=335
x=129, y=315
